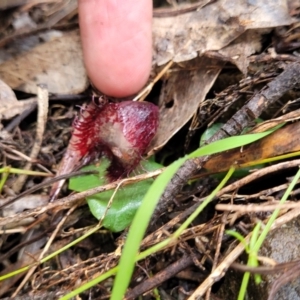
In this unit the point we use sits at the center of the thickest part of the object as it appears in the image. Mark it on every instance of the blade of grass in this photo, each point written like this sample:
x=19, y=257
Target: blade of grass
x=252, y=259
x=258, y=240
x=275, y=213
x=152, y=196
x=231, y=143
x=66, y=247
x=189, y=220
x=244, y=285
x=4, y=178
x=144, y=213
x=138, y=228
x=269, y=159
x=154, y=248
x=240, y=238
x=90, y=284
x=211, y=196
x=26, y=172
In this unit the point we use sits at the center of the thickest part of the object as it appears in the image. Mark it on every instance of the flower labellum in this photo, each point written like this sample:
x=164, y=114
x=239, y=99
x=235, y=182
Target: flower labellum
x=120, y=131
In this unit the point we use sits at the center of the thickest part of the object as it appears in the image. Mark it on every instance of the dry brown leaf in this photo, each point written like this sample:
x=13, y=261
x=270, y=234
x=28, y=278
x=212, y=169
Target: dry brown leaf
x=282, y=141
x=5, y=4
x=7, y=96
x=182, y=95
x=9, y=105
x=239, y=50
x=269, y=124
x=180, y=38
x=24, y=203
x=57, y=63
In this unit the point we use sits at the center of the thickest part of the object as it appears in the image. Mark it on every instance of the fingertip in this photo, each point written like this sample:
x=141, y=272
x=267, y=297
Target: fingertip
x=117, y=44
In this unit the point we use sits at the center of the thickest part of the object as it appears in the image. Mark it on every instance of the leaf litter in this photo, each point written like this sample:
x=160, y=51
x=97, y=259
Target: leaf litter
x=223, y=56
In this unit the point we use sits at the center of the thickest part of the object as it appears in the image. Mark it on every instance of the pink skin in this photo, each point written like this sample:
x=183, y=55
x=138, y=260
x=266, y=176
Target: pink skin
x=117, y=44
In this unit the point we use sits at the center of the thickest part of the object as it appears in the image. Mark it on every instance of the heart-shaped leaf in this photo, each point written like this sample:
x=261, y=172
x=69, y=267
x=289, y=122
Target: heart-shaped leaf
x=126, y=200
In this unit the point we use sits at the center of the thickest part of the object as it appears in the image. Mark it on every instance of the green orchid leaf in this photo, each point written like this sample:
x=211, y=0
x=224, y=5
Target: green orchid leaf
x=209, y=132
x=126, y=201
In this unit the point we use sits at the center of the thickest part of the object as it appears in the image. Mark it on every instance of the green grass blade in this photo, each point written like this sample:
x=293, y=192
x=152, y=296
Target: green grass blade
x=275, y=213
x=90, y=284
x=143, y=215
x=257, y=241
x=230, y=143
x=240, y=238
x=243, y=289
x=190, y=219
x=138, y=228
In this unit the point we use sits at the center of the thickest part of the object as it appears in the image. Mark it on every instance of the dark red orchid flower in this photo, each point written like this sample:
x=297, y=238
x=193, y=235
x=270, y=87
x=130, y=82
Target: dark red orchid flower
x=120, y=131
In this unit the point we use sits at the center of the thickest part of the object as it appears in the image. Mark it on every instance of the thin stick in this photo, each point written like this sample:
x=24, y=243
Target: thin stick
x=46, y=248
x=68, y=201
x=143, y=94
x=43, y=103
x=220, y=271
x=256, y=208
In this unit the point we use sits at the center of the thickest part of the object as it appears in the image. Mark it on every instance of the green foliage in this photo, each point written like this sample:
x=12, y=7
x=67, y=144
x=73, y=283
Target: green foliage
x=258, y=236
x=140, y=222
x=126, y=201
x=5, y=171
x=209, y=132
x=143, y=215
